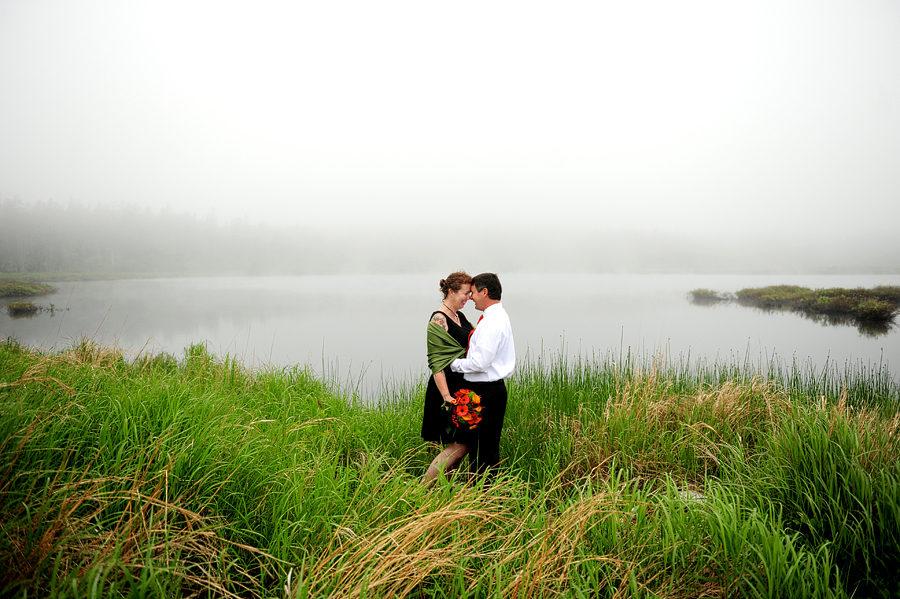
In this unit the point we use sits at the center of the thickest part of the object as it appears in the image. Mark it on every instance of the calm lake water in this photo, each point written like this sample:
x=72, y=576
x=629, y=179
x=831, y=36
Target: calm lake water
x=372, y=328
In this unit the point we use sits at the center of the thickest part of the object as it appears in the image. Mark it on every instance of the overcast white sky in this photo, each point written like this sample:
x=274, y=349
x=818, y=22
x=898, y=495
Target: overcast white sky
x=689, y=116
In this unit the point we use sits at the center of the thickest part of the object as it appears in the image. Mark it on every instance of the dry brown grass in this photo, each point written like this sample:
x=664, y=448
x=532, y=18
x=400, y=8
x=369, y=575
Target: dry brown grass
x=400, y=555
x=879, y=437
x=92, y=355
x=650, y=398
x=551, y=556
x=711, y=422
x=468, y=534
x=37, y=373
x=78, y=524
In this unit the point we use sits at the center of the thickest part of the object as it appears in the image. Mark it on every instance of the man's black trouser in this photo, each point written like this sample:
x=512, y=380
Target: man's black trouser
x=484, y=453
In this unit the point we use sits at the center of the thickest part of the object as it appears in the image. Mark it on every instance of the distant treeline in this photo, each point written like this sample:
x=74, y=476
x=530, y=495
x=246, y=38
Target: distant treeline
x=52, y=237
x=121, y=240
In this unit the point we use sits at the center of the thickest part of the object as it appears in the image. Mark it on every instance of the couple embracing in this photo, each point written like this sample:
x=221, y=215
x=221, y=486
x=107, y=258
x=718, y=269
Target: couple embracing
x=466, y=397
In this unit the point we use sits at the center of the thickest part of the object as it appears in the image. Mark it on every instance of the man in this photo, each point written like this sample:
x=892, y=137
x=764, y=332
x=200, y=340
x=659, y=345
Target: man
x=490, y=359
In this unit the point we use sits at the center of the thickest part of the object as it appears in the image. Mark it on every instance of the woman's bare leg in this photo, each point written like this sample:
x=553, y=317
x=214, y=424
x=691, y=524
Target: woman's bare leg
x=445, y=462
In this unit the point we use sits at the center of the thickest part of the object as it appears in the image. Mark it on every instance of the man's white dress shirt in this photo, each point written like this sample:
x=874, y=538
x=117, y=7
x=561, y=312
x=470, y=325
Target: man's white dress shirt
x=492, y=352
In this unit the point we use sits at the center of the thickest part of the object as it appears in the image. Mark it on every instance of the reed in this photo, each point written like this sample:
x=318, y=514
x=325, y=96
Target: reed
x=625, y=476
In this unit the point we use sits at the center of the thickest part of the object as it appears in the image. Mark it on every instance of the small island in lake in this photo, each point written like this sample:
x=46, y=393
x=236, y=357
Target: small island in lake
x=872, y=310
x=24, y=289
x=29, y=309
x=22, y=309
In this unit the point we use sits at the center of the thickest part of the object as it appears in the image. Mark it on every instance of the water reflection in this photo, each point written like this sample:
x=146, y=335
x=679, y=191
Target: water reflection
x=708, y=297
x=18, y=309
x=865, y=326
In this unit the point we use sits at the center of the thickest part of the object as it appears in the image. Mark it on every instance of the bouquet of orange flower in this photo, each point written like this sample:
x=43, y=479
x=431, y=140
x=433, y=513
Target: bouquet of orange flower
x=464, y=408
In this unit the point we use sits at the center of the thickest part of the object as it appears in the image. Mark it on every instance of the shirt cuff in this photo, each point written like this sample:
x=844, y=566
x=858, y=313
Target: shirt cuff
x=454, y=365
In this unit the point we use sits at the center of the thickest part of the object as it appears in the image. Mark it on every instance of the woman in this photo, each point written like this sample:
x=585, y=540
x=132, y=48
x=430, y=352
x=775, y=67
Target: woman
x=448, y=338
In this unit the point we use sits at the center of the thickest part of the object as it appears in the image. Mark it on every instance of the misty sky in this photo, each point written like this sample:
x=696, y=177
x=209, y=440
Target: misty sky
x=771, y=116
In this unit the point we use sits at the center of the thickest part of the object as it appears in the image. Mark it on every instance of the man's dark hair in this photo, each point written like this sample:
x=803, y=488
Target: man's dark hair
x=489, y=281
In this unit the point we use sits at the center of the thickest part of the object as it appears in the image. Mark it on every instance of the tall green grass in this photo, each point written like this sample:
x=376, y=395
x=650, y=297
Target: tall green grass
x=624, y=477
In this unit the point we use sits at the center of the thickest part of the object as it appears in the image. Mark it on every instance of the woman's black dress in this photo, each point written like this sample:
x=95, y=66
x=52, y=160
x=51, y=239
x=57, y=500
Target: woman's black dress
x=436, y=420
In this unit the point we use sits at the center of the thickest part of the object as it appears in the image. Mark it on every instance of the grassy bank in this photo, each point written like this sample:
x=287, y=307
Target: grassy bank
x=165, y=477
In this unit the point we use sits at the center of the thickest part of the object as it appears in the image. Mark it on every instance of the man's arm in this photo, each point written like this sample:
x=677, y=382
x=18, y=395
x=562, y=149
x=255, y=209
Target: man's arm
x=482, y=350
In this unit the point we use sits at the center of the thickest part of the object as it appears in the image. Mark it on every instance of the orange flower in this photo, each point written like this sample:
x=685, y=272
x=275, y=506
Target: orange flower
x=466, y=409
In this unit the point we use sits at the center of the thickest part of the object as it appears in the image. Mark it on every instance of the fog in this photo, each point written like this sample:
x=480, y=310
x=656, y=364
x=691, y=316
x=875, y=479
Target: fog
x=412, y=137
x=128, y=240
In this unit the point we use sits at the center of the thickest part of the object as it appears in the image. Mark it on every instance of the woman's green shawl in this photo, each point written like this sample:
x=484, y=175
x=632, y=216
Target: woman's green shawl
x=442, y=348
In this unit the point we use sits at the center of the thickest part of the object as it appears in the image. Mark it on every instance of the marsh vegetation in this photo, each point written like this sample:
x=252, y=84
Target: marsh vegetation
x=17, y=309
x=871, y=310
x=14, y=288
x=23, y=289
x=29, y=309
x=159, y=476
x=708, y=296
